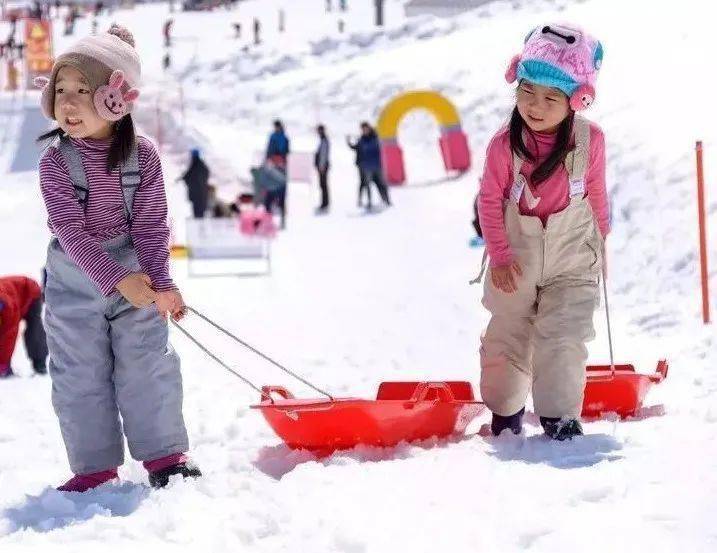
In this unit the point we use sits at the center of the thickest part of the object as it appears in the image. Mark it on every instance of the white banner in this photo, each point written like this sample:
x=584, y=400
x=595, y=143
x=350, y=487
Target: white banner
x=222, y=239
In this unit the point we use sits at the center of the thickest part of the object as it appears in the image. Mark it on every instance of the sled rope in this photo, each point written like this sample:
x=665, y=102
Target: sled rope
x=210, y=354
x=249, y=347
x=607, y=315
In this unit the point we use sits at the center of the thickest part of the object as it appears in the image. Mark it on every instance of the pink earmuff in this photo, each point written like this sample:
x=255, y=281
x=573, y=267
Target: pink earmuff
x=582, y=97
x=511, y=73
x=110, y=102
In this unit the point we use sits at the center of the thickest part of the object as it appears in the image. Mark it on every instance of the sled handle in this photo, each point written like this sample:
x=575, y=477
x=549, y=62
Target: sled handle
x=266, y=392
x=608, y=378
x=661, y=372
x=443, y=391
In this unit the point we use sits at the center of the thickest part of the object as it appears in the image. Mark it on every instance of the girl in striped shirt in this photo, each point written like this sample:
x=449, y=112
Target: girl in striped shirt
x=107, y=264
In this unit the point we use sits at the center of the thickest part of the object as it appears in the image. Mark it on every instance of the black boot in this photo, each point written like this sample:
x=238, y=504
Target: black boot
x=514, y=422
x=561, y=429
x=160, y=478
x=39, y=366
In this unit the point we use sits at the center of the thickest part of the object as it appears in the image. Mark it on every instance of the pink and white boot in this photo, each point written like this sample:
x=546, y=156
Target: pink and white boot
x=83, y=482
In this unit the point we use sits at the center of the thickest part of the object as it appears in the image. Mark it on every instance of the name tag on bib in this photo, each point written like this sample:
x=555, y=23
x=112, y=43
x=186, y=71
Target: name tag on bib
x=577, y=187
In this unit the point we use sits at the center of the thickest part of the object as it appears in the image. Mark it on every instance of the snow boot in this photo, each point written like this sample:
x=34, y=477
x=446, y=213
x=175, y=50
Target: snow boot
x=513, y=422
x=160, y=478
x=83, y=482
x=39, y=366
x=561, y=429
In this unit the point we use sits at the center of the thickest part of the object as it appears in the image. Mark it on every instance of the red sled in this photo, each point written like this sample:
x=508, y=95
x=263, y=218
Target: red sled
x=402, y=411
x=620, y=391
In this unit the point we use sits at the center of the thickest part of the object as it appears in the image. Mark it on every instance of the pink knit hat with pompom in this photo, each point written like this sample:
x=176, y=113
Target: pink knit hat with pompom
x=111, y=66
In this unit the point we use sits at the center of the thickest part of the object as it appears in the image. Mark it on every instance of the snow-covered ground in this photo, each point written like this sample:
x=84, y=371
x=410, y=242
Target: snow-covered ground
x=355, y=299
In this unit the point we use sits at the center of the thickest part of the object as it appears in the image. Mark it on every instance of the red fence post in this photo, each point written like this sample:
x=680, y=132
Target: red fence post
x=702, y=221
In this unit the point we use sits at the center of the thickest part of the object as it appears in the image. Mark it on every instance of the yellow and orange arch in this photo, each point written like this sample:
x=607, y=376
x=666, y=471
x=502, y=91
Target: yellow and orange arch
x=453, y=141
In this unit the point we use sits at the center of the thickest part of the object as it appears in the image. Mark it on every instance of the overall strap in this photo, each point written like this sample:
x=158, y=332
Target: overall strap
x=77, y=171
x=519, y=182
x=576, y=162
x=130, y=179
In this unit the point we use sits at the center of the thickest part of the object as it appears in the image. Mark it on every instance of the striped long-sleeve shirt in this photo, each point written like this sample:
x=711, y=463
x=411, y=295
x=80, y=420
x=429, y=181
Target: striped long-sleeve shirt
x=81, y=232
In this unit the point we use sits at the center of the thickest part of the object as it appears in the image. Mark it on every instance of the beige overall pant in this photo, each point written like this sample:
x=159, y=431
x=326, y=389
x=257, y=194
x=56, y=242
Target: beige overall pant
x=536, y=336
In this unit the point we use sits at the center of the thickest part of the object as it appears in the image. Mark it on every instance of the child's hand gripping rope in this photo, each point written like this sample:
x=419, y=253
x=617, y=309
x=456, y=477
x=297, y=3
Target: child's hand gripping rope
x=170, y=302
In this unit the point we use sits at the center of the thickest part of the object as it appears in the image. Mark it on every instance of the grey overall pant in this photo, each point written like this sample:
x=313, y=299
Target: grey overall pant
x=108, y=358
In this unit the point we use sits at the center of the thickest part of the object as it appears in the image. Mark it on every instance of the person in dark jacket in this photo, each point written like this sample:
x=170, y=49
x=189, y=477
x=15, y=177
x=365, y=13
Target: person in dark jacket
x=278, y=149
x=368, y=159
x=167, y=32
x=270, y=188
x=36, y=11
x=321, y=162
x=197, y=179
x=21, y=300
x=257, y=31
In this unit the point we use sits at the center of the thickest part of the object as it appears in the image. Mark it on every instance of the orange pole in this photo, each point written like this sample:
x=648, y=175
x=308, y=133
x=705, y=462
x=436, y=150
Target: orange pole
x=702, y=221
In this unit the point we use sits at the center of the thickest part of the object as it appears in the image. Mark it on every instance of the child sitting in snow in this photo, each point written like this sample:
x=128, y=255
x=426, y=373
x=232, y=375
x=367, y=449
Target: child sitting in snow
x=107, y=263
x=21, y=300
x=544, y=215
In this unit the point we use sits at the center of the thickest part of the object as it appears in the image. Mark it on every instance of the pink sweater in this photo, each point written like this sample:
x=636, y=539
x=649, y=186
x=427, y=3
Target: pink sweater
x=553, y=192
x=81, y=233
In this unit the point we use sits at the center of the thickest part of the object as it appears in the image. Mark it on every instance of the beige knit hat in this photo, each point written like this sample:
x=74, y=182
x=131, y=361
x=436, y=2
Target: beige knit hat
x=111, y=66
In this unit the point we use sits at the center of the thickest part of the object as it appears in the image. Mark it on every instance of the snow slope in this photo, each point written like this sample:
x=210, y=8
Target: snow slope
x=355, y=299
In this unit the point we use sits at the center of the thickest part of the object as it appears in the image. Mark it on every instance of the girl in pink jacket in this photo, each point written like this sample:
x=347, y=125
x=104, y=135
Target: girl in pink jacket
x=544, y=215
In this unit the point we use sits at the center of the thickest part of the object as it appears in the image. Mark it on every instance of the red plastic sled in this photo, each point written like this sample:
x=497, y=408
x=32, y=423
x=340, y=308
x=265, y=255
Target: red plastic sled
x=620, y=391
x=402, y=411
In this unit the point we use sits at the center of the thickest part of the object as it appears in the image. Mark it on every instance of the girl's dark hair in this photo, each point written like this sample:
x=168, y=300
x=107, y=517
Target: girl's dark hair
x=123, y=139
x=557, y=155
